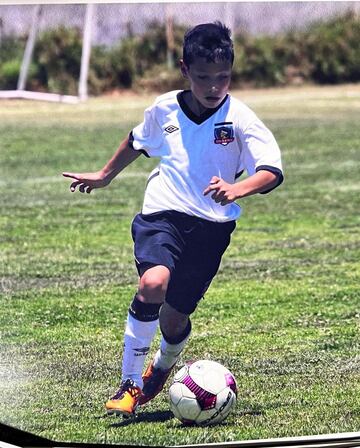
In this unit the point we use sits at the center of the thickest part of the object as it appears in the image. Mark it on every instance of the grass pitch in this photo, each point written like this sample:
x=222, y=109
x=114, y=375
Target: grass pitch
x=282, y=314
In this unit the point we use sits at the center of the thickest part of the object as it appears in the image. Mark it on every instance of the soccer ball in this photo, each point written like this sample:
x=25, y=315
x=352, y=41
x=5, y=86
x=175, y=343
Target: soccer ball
x=203, y=393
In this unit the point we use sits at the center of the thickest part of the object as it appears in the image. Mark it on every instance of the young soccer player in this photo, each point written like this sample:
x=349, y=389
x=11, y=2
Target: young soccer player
x=205, y=139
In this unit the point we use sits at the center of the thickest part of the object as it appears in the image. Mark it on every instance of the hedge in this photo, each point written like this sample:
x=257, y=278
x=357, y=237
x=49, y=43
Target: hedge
x=324, y=52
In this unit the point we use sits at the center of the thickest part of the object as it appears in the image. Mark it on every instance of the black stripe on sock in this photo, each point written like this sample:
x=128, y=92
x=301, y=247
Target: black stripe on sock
x=179, y=338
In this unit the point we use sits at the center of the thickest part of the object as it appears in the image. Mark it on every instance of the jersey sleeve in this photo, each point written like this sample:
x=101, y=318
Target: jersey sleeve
x=147, y=137
x=260, y=151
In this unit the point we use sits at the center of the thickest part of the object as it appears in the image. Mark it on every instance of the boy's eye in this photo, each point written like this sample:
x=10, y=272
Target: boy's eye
x=202, y=77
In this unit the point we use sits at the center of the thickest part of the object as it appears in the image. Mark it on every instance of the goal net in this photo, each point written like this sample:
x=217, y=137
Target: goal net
x=22, y=93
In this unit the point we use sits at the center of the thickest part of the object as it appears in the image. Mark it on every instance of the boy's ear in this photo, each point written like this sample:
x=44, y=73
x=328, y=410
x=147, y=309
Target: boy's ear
x=184, y=69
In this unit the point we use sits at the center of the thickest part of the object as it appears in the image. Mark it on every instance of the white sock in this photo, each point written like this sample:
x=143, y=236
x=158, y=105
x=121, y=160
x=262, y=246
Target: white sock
x=137, y=340
x=168, y=354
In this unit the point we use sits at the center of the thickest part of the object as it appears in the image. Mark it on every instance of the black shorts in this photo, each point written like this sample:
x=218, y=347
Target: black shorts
x=190, y=247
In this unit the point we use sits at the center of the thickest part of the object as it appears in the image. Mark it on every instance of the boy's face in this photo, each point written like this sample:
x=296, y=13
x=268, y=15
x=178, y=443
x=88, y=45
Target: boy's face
x=209, y=81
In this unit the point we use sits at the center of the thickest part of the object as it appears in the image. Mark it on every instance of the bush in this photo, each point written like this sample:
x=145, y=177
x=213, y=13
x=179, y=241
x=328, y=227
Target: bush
x=333, y=50
x=270, y=60
x=259, y=61
x=137, y=61
x=58, y=56
x=326, y=52
x=11, y=53
x=10, y=71
x=151, y=47
x=123, y=62
x=12, y=47
x=161, y=79
x=112, y=68
x=9, y=74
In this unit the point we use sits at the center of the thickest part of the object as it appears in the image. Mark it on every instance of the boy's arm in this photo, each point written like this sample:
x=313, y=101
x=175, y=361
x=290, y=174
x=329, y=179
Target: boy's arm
x=226, y=193
x=124, y=155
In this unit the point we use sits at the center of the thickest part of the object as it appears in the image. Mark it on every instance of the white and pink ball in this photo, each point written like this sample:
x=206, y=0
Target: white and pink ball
x=203, y=393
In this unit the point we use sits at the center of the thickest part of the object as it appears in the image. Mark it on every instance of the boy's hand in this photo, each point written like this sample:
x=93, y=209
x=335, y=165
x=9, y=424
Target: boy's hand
x=87, y=181
x=223, y=192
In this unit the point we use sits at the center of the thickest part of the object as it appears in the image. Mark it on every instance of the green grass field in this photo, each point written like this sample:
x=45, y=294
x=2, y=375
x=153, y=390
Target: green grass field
x=282, y=314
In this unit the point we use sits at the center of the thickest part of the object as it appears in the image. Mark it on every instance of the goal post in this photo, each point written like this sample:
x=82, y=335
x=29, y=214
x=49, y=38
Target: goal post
x=85, y=54
x=22, y=93
x=29, y=49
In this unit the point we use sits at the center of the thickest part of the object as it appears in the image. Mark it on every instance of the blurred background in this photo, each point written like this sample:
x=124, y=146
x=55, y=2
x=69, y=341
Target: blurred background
x=137, y=46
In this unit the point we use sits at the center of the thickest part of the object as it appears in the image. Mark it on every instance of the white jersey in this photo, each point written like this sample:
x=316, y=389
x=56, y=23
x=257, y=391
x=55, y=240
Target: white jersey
x=223, y=142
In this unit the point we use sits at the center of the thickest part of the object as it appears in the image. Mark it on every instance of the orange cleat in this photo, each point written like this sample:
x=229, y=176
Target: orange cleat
x=125, y=401
x=154, y=381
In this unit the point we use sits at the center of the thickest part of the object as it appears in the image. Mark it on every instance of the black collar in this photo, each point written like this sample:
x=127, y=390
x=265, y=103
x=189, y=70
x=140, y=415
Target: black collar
x=198, y=119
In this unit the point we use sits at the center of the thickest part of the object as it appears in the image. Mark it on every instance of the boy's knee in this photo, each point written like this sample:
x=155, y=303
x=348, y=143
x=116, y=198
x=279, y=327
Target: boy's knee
x=153, y=284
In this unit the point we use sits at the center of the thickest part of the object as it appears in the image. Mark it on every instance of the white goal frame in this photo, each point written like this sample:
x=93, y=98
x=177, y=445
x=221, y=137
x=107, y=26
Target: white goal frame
x=22, y=93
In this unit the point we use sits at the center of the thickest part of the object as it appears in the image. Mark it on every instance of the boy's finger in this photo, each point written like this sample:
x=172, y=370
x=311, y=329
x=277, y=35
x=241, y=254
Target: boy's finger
x=211, y=187
x=74, y=185
x=217, y=196
x=72, y=175
x=208, y=189
x=214, y=180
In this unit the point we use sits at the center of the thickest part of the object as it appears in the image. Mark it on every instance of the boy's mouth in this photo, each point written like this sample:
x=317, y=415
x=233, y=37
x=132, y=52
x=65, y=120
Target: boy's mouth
x=212, y=99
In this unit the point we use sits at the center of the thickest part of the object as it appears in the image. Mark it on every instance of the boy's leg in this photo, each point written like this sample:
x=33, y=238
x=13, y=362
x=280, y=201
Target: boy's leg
x=189, y=282
x=141, y=326
x=175, y=328
x=142, y=321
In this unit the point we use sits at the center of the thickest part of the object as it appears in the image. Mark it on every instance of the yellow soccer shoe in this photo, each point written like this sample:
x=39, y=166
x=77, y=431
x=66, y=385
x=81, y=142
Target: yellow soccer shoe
x=126, y=399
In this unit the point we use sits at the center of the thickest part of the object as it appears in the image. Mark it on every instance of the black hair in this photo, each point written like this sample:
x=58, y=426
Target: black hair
x=208, y=40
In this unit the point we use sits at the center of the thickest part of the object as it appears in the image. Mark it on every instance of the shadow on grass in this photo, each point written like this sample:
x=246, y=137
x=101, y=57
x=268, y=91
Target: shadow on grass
x=163, y=416
x=157, y=416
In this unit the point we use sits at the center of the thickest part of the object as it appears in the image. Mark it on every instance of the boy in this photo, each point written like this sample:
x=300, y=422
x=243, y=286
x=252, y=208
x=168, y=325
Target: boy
x=205, y=139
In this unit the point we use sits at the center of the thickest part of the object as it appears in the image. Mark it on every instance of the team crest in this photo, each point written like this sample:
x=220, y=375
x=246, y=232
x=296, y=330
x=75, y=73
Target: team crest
x=224, y=133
